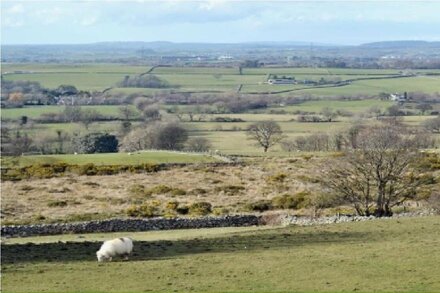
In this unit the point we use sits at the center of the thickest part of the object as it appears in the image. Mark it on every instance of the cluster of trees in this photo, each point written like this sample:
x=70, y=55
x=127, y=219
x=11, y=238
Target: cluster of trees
x=144, y=81
x=95, y=143
x=155, y=135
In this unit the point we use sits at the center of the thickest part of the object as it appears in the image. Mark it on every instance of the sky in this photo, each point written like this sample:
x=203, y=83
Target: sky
x=218, y=21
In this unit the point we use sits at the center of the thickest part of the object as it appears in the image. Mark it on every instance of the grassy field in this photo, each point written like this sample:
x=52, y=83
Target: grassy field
x=202, y=79
x=377, y=256
x=112, y=158
x=36, y=111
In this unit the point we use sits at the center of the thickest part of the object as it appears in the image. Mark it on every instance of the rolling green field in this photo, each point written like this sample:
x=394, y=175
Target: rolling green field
x=157, y=157
x=203, y=79
x=396, y=255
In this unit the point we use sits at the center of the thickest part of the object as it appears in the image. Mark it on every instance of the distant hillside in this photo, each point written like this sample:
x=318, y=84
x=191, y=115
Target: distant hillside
x=401, y=44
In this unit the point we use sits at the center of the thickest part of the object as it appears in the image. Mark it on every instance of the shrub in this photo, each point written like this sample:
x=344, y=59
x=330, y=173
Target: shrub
x=95, y=143
x=277, y=178
x=87, y=169
x=259, y=206
x=160, y=189
x=198, y=191
x=172, y=205
x=229, y=189
x=178, y=191
x=57, y=203
x=138, y=190
x=220, y=211
x=287, y=201
x=429, y=162
x=146, y=210
x=182, y=210
x=200, y=208
x=27, y=188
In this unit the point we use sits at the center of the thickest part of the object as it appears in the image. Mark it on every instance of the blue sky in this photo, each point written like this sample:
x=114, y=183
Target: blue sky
x=217, y=21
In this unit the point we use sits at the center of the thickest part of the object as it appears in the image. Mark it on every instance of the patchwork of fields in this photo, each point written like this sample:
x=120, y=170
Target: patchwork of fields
x=226, y=80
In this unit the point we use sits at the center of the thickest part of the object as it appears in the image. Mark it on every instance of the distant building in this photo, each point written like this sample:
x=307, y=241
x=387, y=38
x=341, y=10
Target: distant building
x=397, y=97
x=281, y=81
x=225, y=57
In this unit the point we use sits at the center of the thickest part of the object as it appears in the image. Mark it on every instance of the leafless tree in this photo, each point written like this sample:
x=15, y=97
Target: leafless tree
x=156, y=135
x=432, y=125
x=265, y=134
x=377, y=175
x=126, y=112
x=198, y=144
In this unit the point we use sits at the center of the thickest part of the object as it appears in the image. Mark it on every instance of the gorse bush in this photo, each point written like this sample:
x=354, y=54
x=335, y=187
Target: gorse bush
x=146, y=210
x=229, y=189
x=259, y=206
x=200, y=208
x=287, y=201
x=57, y=203
x=60, y=169
x=277, y=178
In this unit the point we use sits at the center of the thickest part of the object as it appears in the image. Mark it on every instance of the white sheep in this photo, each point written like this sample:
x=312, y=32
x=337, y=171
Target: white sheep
x=118, y=246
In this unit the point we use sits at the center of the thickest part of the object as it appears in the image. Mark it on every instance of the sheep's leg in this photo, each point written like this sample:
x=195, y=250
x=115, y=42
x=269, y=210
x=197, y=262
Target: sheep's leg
x=126, y=256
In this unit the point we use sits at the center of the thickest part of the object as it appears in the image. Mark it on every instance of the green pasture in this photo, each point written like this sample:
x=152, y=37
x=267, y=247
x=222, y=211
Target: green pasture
x=154, y=157
x=208, y=79
x=318, y=71
x=36, y=111
x=354, y=106
x=426, y=84
x=390, y=255
x=81, y=80
x=195, y=70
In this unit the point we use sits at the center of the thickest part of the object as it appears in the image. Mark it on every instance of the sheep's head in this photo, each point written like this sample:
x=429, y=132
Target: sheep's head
x=101, y=257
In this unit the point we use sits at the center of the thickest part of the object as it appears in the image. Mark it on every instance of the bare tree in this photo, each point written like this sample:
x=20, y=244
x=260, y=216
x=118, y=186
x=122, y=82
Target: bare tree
x=328, y=114
x=265, y=134
x=423, y=107
x=126, y=112
x=198, y=144
x=88, y=116
x=432, y=125
x=157, y=135
x=377, y=175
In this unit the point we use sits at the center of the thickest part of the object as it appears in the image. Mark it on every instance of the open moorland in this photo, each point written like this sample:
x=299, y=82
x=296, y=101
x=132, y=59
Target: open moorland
x=395, y=255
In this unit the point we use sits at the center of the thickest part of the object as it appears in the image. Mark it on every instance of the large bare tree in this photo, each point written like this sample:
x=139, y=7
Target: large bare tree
x=377, y=175
x=265, y=134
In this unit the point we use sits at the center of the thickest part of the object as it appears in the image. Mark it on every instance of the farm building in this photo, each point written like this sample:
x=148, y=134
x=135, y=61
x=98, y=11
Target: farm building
x=281, y=81
x=399, y=97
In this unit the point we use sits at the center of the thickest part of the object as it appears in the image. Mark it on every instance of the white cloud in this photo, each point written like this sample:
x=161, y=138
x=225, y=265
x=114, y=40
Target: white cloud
x=15, y=9
x=50, y=15
x=88, y=21
x=11, y=22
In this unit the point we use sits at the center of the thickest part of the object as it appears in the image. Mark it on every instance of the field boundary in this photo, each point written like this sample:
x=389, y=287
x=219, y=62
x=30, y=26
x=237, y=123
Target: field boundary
x=130, y=225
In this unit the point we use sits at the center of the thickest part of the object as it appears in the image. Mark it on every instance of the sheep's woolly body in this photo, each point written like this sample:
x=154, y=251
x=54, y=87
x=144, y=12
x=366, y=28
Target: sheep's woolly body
x=117, y=246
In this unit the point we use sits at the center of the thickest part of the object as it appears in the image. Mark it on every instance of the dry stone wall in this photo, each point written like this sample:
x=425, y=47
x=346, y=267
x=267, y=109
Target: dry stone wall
x=129, y=225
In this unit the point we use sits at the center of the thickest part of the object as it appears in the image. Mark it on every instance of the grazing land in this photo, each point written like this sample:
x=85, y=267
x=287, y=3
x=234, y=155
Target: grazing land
x=93, y=77
x=152, y=157
x=395, y=255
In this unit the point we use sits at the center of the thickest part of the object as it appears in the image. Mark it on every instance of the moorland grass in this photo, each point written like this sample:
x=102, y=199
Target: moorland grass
x=154, y=157
x=394, y=255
